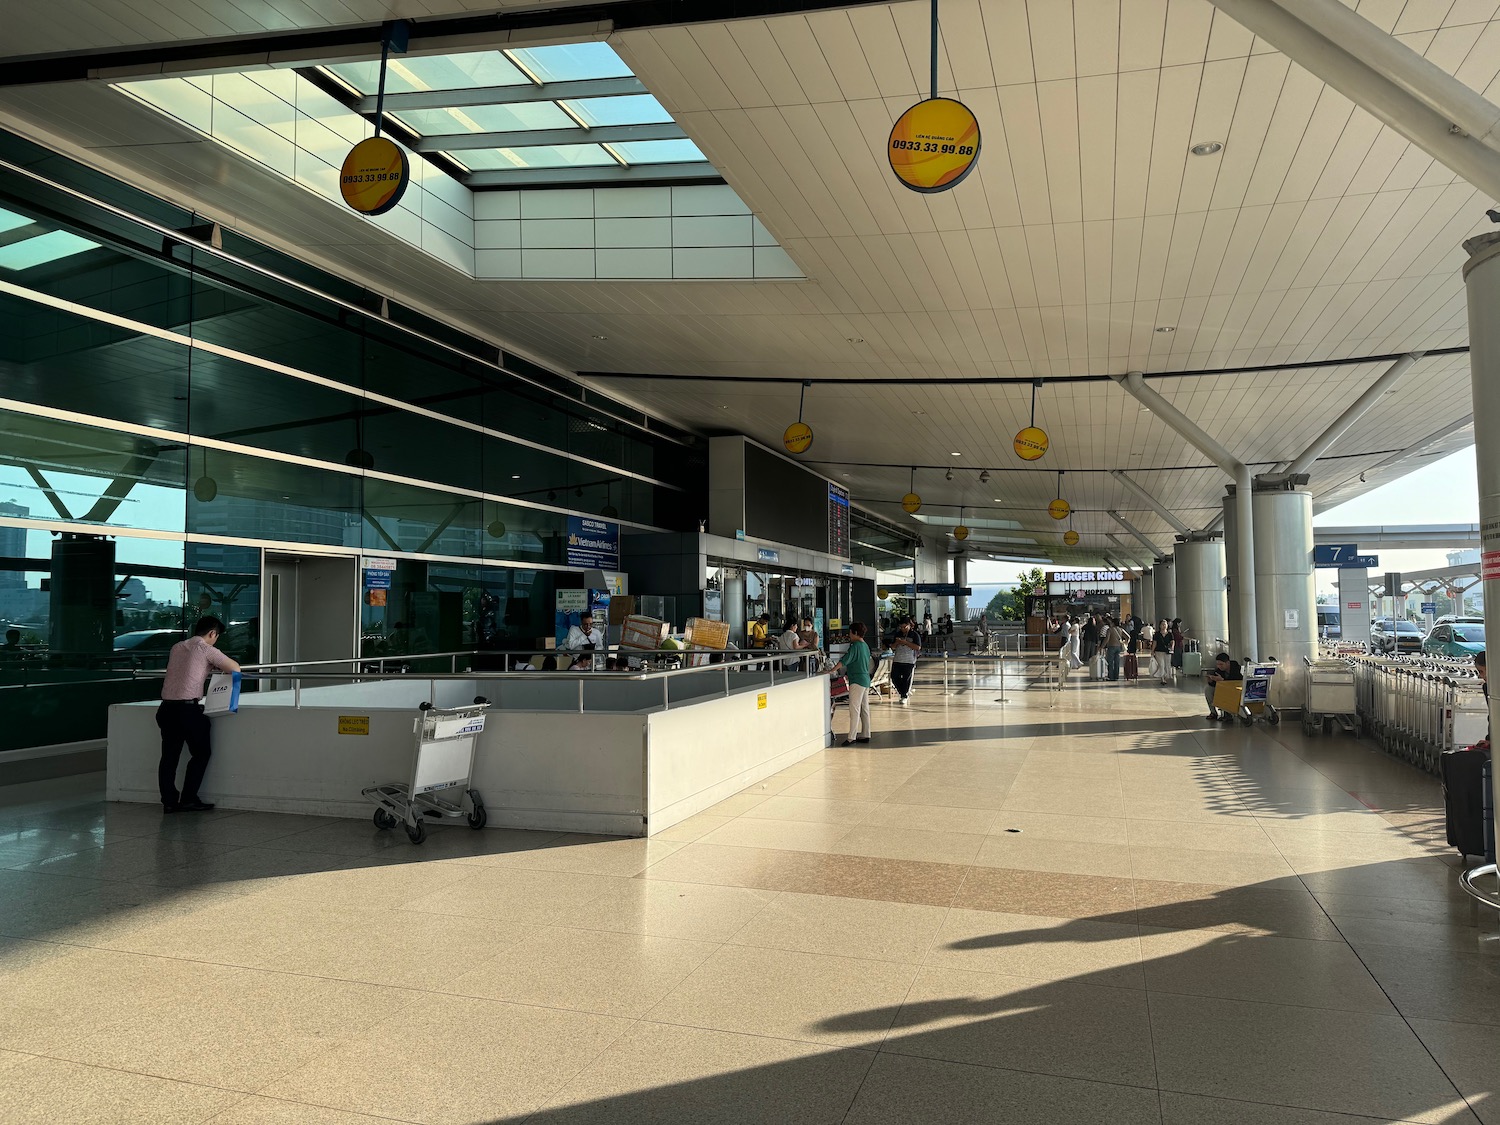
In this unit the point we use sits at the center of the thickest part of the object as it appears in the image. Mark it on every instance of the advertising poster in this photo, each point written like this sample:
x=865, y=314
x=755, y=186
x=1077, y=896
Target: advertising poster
x=570, y=606
x=593, y=543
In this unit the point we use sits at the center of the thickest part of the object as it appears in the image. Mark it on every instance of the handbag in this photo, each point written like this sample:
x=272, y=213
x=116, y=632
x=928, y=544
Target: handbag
x=223, y=696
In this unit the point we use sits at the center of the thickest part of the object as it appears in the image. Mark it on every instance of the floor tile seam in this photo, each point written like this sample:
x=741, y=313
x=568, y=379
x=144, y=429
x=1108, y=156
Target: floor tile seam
x=1017, y=1070
x=295, y=1102
x=1299, y=1004
x=1361, y=1117
x=242, y=1094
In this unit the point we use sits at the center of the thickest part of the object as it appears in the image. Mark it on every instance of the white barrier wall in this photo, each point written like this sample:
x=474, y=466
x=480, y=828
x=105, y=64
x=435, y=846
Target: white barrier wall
x=627, y=773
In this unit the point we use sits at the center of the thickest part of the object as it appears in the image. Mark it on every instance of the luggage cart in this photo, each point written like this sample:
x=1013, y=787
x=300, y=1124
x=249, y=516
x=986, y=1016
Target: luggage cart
x=445, y=742
x=1255, y=698
x=1330, y=697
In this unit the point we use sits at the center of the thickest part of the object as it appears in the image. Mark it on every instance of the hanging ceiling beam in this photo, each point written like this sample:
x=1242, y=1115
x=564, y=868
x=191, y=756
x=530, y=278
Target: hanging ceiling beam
x=503, y=95
x=522, y=138
x=697, y=172
x=1384, y=77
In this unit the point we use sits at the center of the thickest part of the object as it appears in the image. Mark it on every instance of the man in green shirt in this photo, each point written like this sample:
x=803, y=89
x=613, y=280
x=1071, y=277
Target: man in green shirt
x=857, y=665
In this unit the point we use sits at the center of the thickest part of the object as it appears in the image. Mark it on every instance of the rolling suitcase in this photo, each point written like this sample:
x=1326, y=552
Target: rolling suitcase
x=1132, y=667
x=1466, y=800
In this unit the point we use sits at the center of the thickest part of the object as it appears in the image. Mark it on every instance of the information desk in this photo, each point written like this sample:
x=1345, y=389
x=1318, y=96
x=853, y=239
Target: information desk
x=627, y=764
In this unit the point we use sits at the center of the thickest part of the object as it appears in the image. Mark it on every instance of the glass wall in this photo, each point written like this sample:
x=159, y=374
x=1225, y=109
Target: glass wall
x=165, y=412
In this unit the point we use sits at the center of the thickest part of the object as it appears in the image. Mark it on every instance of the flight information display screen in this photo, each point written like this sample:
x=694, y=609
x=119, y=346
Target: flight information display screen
x=838, y=521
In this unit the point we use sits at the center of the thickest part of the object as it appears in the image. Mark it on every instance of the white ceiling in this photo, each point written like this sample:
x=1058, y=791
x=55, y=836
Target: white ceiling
x=1316, y=233
x=57, y=26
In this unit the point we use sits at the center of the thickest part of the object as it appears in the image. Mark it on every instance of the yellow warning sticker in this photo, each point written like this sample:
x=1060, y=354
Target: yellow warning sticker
x=354, y=724
x=760, y=702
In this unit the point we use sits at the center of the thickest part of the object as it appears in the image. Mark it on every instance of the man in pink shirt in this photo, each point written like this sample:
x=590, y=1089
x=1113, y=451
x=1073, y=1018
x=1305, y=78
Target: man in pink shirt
x=181, y=716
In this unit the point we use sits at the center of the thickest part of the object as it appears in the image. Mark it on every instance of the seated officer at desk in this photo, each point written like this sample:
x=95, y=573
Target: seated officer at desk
x=1223, y=671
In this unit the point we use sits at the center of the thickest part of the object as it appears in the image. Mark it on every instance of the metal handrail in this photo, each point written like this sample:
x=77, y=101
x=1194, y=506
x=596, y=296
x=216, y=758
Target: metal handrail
x=1466, y=881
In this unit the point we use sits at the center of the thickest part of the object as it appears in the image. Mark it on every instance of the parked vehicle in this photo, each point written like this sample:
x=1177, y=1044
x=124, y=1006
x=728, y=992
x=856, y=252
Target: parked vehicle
x=1329, y=622
x=1391, y=636
x=1458, y=639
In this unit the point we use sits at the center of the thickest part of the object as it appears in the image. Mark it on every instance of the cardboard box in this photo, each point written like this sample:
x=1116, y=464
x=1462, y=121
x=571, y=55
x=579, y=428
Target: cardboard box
x=621, y=608
x=644, y=633
x=1228, y=695
x=703, y=633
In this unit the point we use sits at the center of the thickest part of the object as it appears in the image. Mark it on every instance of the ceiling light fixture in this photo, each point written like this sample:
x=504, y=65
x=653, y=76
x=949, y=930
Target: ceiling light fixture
x=955, y=455
x=601, y=337
x=855, y=339
x=1167, y=328
x=1206, y=148
x=948, y=475
x=984, y=477
x=919, y=412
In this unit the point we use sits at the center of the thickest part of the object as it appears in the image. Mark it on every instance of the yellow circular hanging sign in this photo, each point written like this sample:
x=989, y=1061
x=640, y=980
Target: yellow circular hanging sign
x=1059, y=509
x=911, y=502
x=934, y=144
x=1030, y=443
x=960, y=533
x=1070, y=538
x=883, y=594
x=798, y=437
x=374, y=176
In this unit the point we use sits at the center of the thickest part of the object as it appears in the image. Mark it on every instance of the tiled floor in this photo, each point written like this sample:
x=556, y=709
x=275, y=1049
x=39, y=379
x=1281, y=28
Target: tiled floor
x=1092, y=908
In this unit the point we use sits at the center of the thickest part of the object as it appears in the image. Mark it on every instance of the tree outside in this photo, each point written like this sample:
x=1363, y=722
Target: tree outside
x=1010, y=605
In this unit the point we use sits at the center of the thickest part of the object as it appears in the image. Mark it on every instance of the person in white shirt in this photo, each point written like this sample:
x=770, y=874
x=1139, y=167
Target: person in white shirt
x=584, y=633
x=1075, y=640
x=791, y=641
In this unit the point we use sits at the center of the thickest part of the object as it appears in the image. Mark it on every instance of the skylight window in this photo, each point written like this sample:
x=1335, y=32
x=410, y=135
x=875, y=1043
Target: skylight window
x=10, y=221
x=505, y=118
x=50, y=247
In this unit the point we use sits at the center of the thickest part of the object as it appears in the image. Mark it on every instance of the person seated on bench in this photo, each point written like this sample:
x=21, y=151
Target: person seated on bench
x=1224, y=671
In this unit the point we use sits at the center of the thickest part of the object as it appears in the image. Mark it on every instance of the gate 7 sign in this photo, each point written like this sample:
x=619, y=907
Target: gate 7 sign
x=1333, y=554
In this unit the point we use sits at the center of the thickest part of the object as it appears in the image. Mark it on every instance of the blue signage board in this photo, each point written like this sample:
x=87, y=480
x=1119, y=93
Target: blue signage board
x=1429, y=607
x=847, y=570
x=377, y=580
x=766, y=554
x=593, y=543
x=1333, y=554
x=936, y=590
x=1344, y=556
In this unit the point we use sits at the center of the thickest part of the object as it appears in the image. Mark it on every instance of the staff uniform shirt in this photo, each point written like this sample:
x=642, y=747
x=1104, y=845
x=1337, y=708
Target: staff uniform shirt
x=188, y=667
x=757, y=635
x=857, y=662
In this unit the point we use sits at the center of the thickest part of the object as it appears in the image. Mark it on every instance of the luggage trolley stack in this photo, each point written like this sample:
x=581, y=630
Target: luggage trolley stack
x=1330, y=697
x=445, y=742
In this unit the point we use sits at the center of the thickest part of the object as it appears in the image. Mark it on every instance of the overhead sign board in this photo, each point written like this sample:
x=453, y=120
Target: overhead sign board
x=1087, y=576
x=767, y=554
x=934, y=145
x=593, y=543
x=374, y=176
x=1343, y=556
x=936, y=590
x=1429, y=607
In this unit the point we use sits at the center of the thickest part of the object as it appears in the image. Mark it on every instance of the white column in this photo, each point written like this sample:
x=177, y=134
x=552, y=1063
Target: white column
x=1285, y=592
x=1354, y=605
x=960, y=578
x=1164, y=589
x=1482, y=275
x=1199, y=567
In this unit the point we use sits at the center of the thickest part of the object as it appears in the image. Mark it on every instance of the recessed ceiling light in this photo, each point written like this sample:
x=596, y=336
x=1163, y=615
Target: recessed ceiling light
x=955, y=455
x=515, y=476
x=855, y=339
x=1206, y=148
x=919, y=412
x=1166, y=328
x=601, y=337
x=723, y=407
